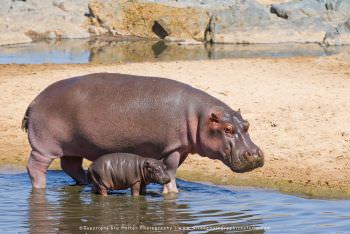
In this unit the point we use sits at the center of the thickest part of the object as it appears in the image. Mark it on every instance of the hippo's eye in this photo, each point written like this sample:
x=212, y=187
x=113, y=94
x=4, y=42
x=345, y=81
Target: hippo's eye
x=228, y=130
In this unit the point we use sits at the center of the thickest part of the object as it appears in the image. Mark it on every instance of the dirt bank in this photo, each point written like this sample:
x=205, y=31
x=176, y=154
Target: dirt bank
x=298, y=109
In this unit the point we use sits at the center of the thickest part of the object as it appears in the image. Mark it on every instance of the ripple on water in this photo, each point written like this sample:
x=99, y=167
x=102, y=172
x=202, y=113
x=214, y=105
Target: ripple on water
x=64, y=208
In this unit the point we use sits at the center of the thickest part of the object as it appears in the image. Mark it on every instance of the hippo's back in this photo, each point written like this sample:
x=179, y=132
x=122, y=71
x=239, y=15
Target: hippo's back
x=103, y=113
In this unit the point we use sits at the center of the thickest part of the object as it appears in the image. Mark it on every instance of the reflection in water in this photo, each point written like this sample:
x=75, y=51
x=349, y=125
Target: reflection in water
x=41, y=213
x=70, y=209
x=85, y=51
x=75, y=209
x=158, y=48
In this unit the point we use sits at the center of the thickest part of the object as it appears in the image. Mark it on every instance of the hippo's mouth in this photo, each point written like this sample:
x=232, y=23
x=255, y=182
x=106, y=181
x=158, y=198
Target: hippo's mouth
x=241, y=164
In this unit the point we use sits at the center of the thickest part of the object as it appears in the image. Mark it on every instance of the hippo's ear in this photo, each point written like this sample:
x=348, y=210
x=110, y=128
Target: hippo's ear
x=146, y=164
x=215, y=118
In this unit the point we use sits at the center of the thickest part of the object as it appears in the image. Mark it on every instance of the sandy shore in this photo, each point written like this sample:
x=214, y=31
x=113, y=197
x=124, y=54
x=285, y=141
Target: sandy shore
x=298, y=109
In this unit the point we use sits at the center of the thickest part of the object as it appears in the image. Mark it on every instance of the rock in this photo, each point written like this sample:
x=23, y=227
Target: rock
x=244, y=22
x=25, y=21
x=150, y=19
x=5, y=7
x=13, y=38
x=236, y=21
x=250, y=22
x=330, y=17
x=341, y=8
x=183, y=21
x=338, y=36
x=294, y=10
x=332, y=11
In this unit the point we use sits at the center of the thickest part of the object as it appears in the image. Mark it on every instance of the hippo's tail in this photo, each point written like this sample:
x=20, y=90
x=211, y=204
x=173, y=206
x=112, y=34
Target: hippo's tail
x=25, y=121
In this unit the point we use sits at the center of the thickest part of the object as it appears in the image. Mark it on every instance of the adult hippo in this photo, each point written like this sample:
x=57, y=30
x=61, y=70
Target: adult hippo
x=97, y=114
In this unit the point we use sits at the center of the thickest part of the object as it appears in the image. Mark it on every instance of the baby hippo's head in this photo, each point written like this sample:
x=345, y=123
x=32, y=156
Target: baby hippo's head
x=155, y=171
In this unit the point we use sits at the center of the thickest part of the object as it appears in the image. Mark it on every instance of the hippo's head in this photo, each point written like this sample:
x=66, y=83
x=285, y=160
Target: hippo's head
x=155, y=171
x=223, y=135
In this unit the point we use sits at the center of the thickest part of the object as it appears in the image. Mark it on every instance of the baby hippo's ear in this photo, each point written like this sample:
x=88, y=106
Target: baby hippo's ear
x=147, y=164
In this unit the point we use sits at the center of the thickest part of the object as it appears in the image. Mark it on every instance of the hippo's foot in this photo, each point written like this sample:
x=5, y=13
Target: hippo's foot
x=73, y=167
x=172, y=162
x=170, y=187
x=37, y=167
x=99, y=190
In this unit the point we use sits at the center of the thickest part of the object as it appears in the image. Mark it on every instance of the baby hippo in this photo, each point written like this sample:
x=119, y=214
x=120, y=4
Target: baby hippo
x=122, y=171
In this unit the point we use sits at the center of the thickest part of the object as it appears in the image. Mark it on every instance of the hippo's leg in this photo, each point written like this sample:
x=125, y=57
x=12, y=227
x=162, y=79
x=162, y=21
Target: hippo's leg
x=136, y=189
x=74, y=168
x=143, y=189
x=37, y=167
x=172, y=163
x=94, y=189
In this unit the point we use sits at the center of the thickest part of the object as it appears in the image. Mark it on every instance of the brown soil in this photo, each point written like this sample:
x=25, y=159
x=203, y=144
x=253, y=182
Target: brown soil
x=298, y=109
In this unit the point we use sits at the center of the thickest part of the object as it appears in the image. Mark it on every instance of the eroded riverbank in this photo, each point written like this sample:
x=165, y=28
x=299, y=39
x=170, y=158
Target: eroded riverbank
x=297, y=107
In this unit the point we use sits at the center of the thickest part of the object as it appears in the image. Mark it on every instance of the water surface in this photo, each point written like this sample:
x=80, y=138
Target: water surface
x=87, y=51
x=198, y=208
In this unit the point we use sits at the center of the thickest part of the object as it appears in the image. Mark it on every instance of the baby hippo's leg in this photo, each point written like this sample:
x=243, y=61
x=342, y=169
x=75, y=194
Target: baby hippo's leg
x=103, y=192
x=99, y=190
x=136, y=189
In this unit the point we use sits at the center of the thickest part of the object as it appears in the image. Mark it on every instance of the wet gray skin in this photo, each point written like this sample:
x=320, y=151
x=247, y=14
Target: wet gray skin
x=123, y=171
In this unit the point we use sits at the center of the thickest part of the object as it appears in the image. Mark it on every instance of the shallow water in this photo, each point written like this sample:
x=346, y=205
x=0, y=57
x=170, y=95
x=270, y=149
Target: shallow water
x=198, y=208
x=84, y=51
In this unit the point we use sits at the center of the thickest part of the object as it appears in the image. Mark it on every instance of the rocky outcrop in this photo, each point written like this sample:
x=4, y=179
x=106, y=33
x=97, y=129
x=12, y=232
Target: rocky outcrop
x=332, y=11
x=250, y=22
x=339, y=35
x=28, y=20
x=150, y=19
x=186, y=21
x=235, y=21
x=330, y=17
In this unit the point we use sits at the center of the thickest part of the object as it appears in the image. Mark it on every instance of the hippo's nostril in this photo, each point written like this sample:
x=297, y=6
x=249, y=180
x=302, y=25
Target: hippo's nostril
x=246, y=155
x=260, y=153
